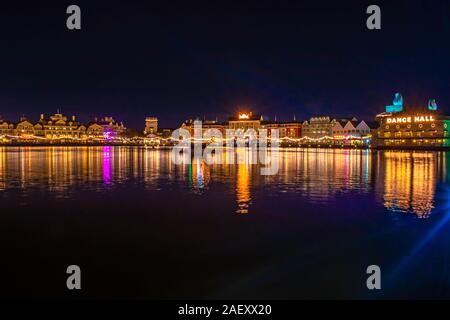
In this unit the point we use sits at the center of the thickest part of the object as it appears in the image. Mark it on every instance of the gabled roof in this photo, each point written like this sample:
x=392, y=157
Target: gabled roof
x=90, y=124
x=22, y=121
x=362, y=124
x=338, y=125
x=350, y=125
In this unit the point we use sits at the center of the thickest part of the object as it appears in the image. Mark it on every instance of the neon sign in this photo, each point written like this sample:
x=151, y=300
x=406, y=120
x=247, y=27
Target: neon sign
x=411, y=119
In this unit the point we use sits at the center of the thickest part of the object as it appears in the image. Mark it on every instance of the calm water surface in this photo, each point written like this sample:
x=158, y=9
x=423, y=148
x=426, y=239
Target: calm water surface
x=140, y=226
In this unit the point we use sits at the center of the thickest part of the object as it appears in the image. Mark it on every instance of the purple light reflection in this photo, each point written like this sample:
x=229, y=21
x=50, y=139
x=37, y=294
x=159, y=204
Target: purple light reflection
x=106, y=151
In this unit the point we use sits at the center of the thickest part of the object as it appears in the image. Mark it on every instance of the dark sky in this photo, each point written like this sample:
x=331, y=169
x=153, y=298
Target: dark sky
x=185, y=59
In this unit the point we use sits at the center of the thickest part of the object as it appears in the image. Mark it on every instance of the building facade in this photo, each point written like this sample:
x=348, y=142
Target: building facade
x=352, y=131
x=413, y=127
x=151, y=126
x=288, y=129
x=206, y=125
x=7, y=128
x=59, y=126
x=318, y=128
x=245, y=121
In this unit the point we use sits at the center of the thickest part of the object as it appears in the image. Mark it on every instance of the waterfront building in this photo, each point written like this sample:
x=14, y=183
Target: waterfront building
x=415, y=126
x=189, y=126
x=24, y=128
x=345, y=127
x=6, y=128
x=206, y=125
x=245, y=121
x=151, y=126
x=109, y=124
x=60, y=126
x=286, y=129
x=165, y=135
x=38, y=129
x=94, y=130
x=105, y=128
x=318, y=128
x=349, y=131
x=289, y=132
x=214, y=124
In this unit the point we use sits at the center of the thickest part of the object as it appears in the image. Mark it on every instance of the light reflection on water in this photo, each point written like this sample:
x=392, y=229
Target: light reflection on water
x=402, y=181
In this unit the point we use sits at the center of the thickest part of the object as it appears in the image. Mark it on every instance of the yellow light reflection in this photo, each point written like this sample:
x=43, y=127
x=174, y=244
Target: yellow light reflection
x=409, y=182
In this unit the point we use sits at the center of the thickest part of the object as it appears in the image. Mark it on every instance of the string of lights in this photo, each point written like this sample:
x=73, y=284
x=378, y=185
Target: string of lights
x=324, y=138
x=190, y=139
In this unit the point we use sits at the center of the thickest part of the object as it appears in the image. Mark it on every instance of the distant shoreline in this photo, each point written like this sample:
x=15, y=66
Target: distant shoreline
x=380, y=148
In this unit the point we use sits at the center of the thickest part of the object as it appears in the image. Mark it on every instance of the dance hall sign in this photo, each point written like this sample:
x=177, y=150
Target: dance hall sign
x=414, y=119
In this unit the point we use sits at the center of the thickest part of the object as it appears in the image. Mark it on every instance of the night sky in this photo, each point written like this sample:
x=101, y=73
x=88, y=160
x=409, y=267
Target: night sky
x=185, y=59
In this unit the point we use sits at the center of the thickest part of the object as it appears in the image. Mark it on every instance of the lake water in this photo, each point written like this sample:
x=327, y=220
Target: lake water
x=140, y=226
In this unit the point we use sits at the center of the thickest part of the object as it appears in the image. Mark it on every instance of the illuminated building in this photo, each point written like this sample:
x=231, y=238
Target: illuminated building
x=287, y=129
x=24, y=128
x=109, y=124
x=206, y=125
x=59, y=126
x=55, y=127
x=106, y=129
x=60, y=129
x=318, y=128
x=352, y=131
x=413, y=127
x=245, y=121
x=151, y=126
x=165, y=133
x=94, y=130
x=6, y=128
